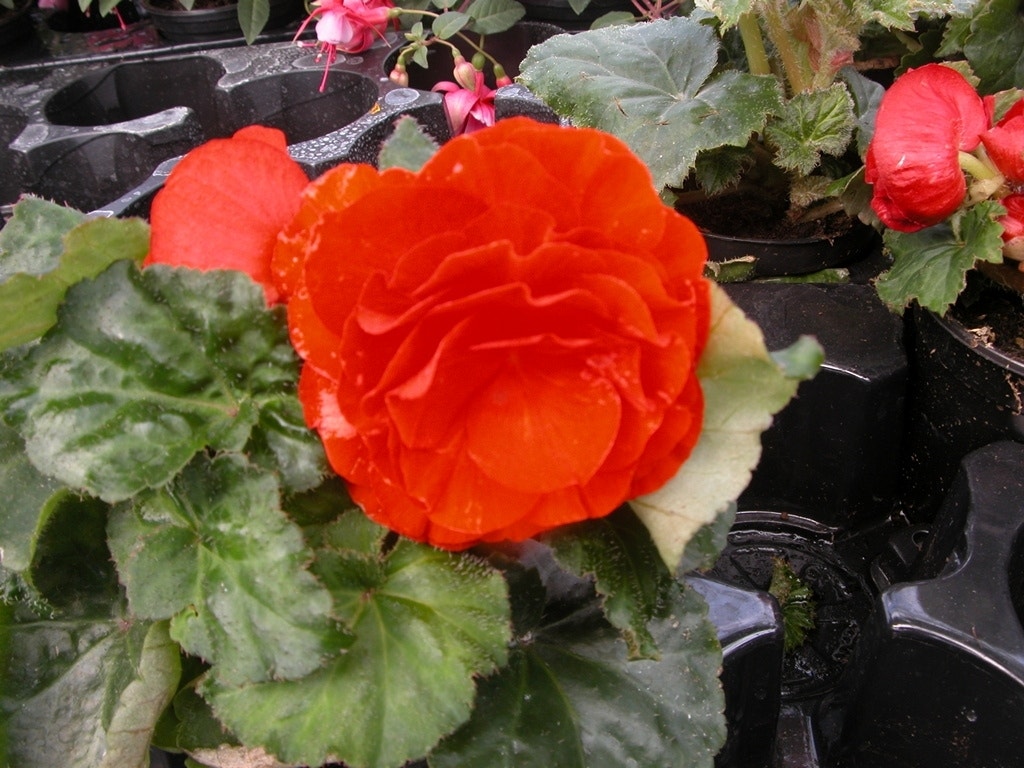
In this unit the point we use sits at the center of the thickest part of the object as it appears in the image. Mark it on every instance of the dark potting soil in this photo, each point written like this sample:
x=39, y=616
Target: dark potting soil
x=761, y=217
x=994, y=314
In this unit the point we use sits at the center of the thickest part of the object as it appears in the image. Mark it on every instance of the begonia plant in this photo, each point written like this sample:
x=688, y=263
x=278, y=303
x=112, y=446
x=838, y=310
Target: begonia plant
x=305, y=472
x=761, y=96
x=946, y=168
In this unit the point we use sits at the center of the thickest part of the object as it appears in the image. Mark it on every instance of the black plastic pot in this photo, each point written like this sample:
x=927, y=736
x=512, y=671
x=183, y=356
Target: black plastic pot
x=965, y=395
x=940, y=671
x=833, y=454
x=749, y=629
x=207, y=24
x=744, y=258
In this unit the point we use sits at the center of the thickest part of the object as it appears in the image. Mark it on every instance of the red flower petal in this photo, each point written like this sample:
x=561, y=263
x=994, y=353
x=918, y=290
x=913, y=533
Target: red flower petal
x=1005, y=143
x=224, y=204
x=925, y=119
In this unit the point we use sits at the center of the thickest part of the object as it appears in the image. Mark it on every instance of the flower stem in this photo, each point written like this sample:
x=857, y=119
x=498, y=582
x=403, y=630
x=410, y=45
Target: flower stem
x=753, y=44
x=978, y=168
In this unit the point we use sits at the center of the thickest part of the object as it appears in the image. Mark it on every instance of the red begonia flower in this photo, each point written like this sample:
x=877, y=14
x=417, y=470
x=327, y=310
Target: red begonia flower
x=1005, y=143
x=1013, y=227
x=524, y=358
x=224, y=204
x=925, y=120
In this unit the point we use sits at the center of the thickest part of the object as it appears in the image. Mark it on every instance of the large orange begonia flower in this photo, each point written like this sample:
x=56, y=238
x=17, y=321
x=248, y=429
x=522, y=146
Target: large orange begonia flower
x=503, y=342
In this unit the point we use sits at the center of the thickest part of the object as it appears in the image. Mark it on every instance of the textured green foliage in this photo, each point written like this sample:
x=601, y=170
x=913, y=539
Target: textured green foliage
x=252, y=17
x=628, y=573
x=144, y=369
x=796, y=601
x=652, y=85
x=995, y=45
x=425, y=623
x=408, y=147
x=214, y=553
x=84, y=692
x=811, y=124
x=492, y=16
x=931, y=265
x=570, y=697
x=82, y=682
x=46, y=248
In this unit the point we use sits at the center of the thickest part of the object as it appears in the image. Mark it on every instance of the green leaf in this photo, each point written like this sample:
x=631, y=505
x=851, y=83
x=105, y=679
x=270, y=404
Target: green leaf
x=83, y=691
x=30, y=301
x=899, y=14
x=493, y=16
x=33, y=240
x=449, y=23
x=801, y=360
x=569, y=697
x=931, y=265
x=252, y=17
x=718, y=169
x=867, y=95
x=628, y=572
x=214, y=553
x=426, y=623
x=613, y=19
x=408, y=147
x=743, y=388
x=704, y=547
x=143, y=700
x=727, y=11
x=796, y=601
x=995, y=46
x=143, y=370
x=652, y=85
x=25, y=494
x=811, y=124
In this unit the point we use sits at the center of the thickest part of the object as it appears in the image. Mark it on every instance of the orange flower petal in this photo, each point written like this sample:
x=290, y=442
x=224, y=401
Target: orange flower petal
x=224, y=204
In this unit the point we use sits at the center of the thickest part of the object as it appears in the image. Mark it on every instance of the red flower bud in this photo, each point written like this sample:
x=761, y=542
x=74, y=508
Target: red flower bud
x=925, y=120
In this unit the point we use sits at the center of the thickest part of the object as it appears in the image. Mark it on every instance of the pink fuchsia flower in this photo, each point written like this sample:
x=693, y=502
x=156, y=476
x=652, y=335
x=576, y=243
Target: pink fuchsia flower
x=349, y=26
x=1013, y=228
x=1005, y=143
x=926, y=119
x=468, y=102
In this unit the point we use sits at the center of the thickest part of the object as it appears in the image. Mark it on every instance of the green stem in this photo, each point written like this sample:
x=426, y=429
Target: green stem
x=753, y=44
x=978, y=168
x=784, y=45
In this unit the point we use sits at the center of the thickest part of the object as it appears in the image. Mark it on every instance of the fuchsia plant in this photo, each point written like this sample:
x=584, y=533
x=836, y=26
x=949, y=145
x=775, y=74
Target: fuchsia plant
x=947, y=170
x=468, y=102
x=349, y=26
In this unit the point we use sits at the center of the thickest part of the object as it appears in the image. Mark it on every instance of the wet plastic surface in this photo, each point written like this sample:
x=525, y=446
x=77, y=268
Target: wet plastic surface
x=833, y=454
x=941, y=669
x=90, y=131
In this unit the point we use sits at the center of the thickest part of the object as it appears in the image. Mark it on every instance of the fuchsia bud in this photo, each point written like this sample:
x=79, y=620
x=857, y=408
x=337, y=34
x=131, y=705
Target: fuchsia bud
x=464, y=73
x=399, y=76
x=500, y=77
